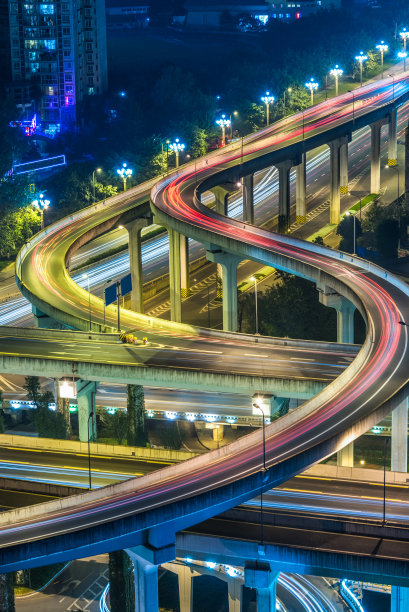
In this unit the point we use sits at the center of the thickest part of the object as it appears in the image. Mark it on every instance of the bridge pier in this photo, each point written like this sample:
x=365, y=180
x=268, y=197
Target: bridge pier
x=145, y=562
x=343, y=163
x=259, y=575
x=43, y=321
x=175, y=276
x=399, y=442
x=222, y=196
x=376, y=155
x=87, y=425
x=393, y=138
x=301, y=191
x=184, y=265
x=399, y=599
x=248, y=198
x=134, y=229
x=229, y=265
x=335, y=147
x=284, y=194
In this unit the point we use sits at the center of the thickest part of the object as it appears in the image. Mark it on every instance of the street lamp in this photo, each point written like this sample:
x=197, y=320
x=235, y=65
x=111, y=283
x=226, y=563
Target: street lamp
x=256, y=404
x=404, y=36
x=90, y=417
x=267, y=99
x=124, y=173
x=93, y=182
x=41, y=204
x=312, y=86
x=336, y=73
x=382, y=48
x=403, y=55
x=177, y=147
x=223, y=123
x=254, y=279
x=89, y=299
x=348, y=214
x=288, y=90
x=361, y=58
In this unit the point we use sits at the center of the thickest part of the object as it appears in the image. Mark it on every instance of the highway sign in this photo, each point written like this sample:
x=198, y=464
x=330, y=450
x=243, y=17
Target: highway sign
x=126, y=285
x=110, y=295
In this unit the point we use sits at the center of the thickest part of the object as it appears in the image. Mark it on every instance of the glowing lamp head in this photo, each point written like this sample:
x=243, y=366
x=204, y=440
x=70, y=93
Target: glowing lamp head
x=361, y=57
x=337, y=71
x=312, y=85
x=404, y=34
x=177, y=146
x=382, y=47
x=402, y=54
x=267, y=99
x=223, y=121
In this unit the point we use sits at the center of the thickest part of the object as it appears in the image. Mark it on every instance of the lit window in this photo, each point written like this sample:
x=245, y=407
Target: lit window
x=262, y=18
x=46, y=9
x=49, y=44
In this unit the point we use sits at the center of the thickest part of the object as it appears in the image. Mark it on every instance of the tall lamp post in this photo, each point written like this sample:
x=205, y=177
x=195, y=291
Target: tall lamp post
x=90, y=417
x=267, y=99
x=93, y=182
x=312, y=85
x=89, y=299
x=404, y=36
x=336, y=73
x=223, y=123
x=41, y=204
x=403, y=55
x=382, y=48
x=256, y=404
x=254, y=279
x=361, y=58
x=348, y=214
x=124, y=173
x=177, y=147
x=288, y=90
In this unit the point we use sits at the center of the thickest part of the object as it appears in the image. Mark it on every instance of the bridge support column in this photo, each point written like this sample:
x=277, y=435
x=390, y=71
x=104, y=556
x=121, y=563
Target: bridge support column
x=175, y=285
x=393, y=138
x=301, y=191
x=248, y=198
x=399, y=446
x=87, y=425
x=376, y=156
x=184, y=266
x=135, y=261
x=335, y=147
x=343, y=163
x=234, y=592
x=222, y=197
x=43, y=321
x=145, y=561
x=399, y=599
x=185, y=588
x=229, y=265
x=258, y=575
x=284, y=195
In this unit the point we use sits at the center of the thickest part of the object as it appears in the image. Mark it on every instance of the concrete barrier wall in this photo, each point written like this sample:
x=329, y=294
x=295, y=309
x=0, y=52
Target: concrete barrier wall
x=322, y=470
x=40, y=488
x=54, y=334
x=69, y=446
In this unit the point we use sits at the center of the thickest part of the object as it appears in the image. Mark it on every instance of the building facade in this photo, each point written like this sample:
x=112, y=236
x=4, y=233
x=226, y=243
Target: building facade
x=58, y=56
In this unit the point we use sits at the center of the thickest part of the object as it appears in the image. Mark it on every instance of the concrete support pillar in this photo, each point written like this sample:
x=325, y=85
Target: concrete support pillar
x=229, y=265
x=399, y=599
x=184, y=266
x=393, y=138
x=284, y=195
x=145, y=560
x=234, y=592
x=87, y=425
x=218, y=432
x=345, y=457
x=301, y=190
x=43, y=321
x=258, y=575
x=399, y=446
x=175, y=276
x=222, y=196
x=248, y=198
x=335, y=180
x=185, y=589
x=343, y=165
x=345, y=314
x=135, y=261
x=376, y=156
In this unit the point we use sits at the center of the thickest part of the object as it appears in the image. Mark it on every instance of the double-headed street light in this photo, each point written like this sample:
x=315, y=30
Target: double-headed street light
x=312, y=85
x=267, y=99
x=223, y=123
x=403, y=55
x=41, y=204
x=404, y=36
x=361, y=58
x=382, y=48
x=93, y=182
x=336, y=73
x=177, y=147
x=124, y=173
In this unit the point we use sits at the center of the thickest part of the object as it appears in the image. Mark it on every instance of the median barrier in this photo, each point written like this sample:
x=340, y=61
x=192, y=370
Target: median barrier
x=334, y=472
x=108, y=450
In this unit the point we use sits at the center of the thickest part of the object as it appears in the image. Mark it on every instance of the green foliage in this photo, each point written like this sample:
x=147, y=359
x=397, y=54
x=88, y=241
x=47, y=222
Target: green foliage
x=7, y=593
x=49, y=424
x=117, y=425
x=16, y=228
x=198, y=142
x=387, y=238
x=32, y=387
x=319, y=240
x=121, y=591
x=346, y=230
x=135, y=407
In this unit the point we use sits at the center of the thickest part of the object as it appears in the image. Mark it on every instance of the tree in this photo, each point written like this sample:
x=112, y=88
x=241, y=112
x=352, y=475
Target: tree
x=346, y=230
x=49, y=424
x=7, y=593
x=198, y=143
x=32, y=386
x=387, y=238
x=121, y=590
x=136, y=416
x=118, y=425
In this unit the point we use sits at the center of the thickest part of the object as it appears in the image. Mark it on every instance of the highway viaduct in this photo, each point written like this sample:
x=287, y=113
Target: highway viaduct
x=140, y=525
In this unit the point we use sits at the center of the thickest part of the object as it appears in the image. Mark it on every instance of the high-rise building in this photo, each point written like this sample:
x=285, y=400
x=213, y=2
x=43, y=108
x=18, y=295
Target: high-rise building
x=58, y=56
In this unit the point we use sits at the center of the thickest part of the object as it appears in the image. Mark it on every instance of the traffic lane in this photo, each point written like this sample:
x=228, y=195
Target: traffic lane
x=232, y=359
x=17, y=499
x=326, y=542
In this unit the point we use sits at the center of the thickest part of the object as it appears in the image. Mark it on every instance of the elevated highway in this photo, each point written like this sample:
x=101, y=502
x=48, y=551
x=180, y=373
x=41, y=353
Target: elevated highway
x=149, y=511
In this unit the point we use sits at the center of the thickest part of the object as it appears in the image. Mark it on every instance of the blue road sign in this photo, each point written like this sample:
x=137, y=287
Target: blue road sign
x=110, y=295
x=126, y=284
